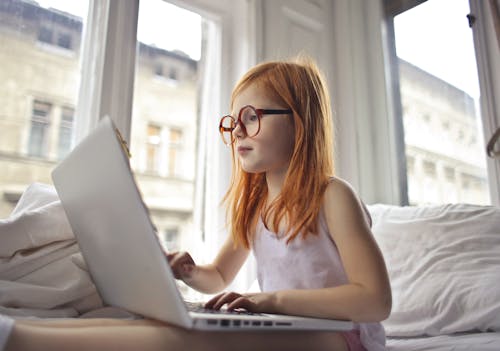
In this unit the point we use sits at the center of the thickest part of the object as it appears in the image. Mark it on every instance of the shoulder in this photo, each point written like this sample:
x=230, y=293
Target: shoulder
x=339, y=193
x=341, y=202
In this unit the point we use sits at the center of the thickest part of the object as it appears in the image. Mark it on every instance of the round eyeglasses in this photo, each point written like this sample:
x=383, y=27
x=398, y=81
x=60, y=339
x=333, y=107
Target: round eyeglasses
x=249, y=121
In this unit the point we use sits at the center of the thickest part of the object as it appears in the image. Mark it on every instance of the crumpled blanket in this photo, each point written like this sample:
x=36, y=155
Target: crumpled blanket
x=42, y=272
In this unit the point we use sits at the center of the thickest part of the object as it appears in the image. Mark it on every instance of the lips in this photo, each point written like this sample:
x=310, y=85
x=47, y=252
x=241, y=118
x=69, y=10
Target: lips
x=243, y=149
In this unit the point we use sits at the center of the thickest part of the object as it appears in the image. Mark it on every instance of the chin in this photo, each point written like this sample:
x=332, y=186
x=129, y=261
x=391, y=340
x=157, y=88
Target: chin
x=251, y=168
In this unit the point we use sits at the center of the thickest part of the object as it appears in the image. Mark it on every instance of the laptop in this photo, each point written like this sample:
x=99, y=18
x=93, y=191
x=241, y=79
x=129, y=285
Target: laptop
x=123, y=253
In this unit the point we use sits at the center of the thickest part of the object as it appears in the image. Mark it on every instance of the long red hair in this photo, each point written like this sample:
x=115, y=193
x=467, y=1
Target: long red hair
x=300, y=86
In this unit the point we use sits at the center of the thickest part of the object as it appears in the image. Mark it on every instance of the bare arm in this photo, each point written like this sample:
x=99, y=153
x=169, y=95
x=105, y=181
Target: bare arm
x=210, y=278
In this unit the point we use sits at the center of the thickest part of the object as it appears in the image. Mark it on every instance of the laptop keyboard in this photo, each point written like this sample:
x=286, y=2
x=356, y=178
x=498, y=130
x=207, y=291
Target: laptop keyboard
x=198, y=307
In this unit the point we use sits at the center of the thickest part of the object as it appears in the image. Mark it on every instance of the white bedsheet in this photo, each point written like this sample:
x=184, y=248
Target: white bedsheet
x=456, y=342
x=42, y=272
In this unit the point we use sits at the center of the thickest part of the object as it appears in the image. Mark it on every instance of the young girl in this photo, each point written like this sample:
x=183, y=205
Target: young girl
x=308, y=230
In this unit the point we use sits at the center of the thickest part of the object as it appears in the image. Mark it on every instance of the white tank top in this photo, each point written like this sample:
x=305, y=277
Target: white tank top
x=309, y=263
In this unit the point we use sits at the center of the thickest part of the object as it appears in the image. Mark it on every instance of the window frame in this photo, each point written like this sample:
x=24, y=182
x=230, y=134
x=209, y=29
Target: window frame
x=108, y=71
x=490, y=90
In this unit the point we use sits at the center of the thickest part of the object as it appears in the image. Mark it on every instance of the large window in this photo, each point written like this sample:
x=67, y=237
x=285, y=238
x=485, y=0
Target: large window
x=168, y=78
x=438, y=86
x=39, y=84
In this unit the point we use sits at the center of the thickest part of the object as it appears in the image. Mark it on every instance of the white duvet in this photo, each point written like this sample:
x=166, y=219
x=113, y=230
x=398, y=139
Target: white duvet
x=42, y=272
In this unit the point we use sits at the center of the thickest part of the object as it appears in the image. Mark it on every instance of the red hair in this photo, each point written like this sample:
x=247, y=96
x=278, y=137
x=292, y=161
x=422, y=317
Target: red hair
x=298, y=85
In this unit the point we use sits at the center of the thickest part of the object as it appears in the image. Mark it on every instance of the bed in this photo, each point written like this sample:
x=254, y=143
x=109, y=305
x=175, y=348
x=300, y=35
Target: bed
x=443, y=262
x=444, y=266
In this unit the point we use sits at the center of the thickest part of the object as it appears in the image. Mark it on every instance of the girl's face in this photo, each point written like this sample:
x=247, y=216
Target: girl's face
x=271, y=149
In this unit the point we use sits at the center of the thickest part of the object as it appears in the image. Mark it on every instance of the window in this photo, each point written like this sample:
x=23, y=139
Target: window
x=51, y=32
x=65, y=131
x=40, y=123
x=166, y=117
x=45, y=35
x=171, y=239
x=181, y=97
x=438, y=82
x=174, y=149
x=153, y=148
x=449, y=174
x=64, y=40
x=172, y=74
x=430, y=169
x=159, y=70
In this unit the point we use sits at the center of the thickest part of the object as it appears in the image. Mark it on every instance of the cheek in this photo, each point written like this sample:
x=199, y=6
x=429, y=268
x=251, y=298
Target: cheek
x=280, y=146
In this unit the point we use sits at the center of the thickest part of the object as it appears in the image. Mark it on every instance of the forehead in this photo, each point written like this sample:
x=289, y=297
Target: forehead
x=255, y=95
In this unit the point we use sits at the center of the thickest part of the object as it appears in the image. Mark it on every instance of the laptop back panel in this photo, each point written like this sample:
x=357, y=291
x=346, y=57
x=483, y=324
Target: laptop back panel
x=113, y=228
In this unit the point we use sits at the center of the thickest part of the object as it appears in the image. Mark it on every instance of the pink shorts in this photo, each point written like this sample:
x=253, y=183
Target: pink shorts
x=353, y=340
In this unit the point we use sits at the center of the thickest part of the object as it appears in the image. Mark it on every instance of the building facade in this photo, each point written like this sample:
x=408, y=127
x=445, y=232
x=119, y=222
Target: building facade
x=443, y=144
x=39, y=83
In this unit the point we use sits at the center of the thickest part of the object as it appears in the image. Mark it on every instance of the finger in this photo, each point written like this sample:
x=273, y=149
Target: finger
x=243, y=303
x=226, y=299
x=210, y=303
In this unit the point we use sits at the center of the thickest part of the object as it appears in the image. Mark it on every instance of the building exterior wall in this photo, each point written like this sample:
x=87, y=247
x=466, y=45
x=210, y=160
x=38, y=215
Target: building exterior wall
x=443, y=145
x=34, y=69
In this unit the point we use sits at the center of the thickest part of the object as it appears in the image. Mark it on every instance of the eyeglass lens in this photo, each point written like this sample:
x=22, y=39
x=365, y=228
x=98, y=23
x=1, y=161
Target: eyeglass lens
x=248, y=117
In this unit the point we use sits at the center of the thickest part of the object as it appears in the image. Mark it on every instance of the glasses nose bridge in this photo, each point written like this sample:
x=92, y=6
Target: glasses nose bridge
x=239, y=126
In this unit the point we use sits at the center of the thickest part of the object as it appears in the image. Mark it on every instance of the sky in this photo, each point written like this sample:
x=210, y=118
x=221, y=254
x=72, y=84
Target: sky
x=160, y=24
x=436, y=37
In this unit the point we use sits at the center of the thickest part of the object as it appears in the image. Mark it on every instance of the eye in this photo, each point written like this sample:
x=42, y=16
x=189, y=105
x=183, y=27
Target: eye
x=253, y=118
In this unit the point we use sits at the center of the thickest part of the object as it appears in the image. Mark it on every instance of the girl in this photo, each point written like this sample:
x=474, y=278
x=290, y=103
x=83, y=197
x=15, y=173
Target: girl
x=308, y=230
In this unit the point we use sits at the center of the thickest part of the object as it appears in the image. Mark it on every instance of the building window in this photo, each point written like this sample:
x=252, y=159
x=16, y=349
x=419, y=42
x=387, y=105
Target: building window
x=172, y=74
x=153, y=148
x=64, y=41
x=56, y=36
x=40, y=123
x=430, y=169
x=45, y=35
x=174, y=150
x=449, y=174
x=65, y=131
x=159, y=70
x=171, y=239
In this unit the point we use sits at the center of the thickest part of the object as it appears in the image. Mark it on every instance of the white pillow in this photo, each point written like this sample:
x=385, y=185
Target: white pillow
x=444, y=266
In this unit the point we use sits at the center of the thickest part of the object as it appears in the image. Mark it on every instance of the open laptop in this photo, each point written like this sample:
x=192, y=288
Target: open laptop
x=118, y=241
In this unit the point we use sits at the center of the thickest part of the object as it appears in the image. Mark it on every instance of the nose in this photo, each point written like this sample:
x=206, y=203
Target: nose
x=238, y=131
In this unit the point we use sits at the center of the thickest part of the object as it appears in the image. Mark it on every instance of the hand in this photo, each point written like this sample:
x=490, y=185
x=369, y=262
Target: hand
x=253, y=302
x=182, y=264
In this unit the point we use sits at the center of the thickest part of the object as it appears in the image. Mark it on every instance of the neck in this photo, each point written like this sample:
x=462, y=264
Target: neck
x=274, y=182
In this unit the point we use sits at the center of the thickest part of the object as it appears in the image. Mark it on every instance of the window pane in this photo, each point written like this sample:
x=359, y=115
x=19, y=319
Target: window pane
x=446, y=161
x=153, y=148
x=39, y=82
x=165, y=116
x=65, y=131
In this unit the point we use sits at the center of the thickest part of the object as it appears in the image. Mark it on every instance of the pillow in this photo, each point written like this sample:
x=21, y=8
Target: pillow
x=444, y=266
